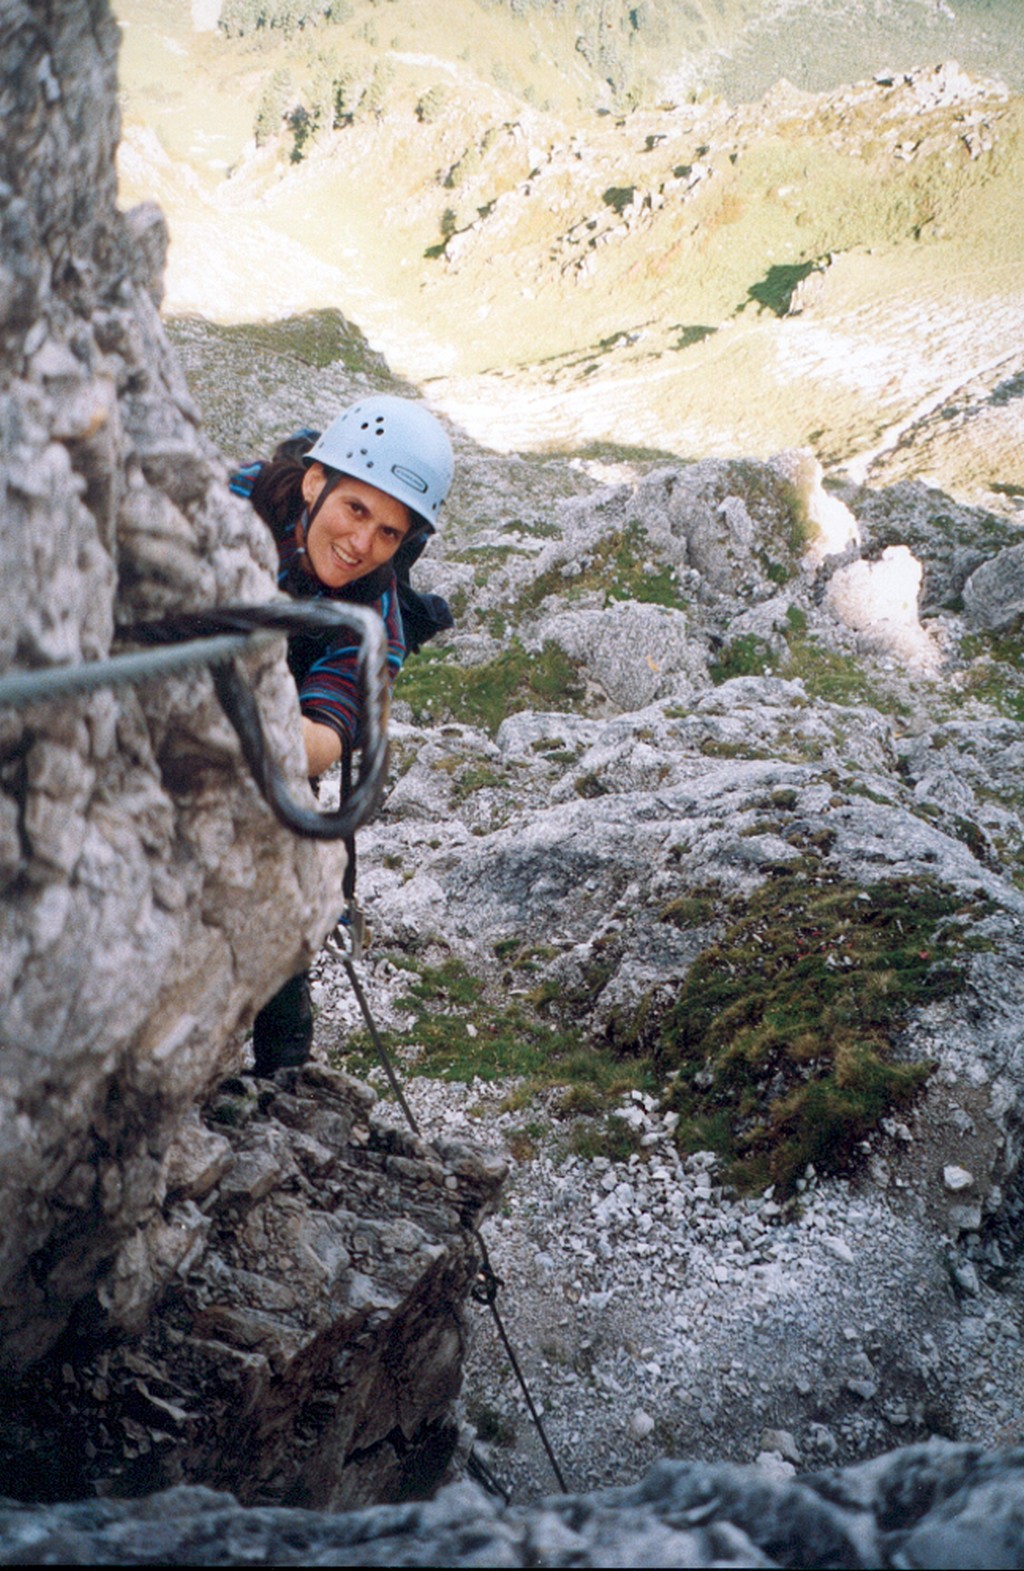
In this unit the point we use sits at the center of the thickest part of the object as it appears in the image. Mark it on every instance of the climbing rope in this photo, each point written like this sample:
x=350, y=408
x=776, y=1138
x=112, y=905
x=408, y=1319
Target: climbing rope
x=485, y=1291
x=371, y=1026
x=485, y=1288
x=477, y=1468
x=214, y=638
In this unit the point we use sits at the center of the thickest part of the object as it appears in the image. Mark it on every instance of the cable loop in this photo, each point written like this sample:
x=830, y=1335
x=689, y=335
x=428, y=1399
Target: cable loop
x=213, y=638
x=485, y=1288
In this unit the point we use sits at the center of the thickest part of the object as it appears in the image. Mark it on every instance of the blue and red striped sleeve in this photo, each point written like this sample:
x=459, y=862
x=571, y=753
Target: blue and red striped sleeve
x=243, y=480
x=329, y=693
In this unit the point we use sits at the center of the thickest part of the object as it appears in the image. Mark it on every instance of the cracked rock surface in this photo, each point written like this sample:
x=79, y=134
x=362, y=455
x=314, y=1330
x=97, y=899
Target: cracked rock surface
x=310, y=1349
x=179, y=1298
x=937, y=1506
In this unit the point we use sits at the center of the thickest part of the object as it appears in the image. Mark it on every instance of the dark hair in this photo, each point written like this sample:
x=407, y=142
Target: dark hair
x=277, y=493
x=296, y=445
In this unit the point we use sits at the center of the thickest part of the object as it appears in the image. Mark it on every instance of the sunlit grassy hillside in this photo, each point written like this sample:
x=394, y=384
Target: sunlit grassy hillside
x=521, y=222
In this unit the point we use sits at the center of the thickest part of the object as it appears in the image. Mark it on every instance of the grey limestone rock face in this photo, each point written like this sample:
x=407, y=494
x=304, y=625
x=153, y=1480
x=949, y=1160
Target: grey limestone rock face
x=722, y=526
x=614, y=846
x=937, y=1506
x=994, y=593
x=635, y=653
x=950, y=540
x=309, y=1263
x=151, y=904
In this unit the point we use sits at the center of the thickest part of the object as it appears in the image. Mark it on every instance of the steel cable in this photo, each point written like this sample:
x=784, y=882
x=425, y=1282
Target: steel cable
x=485, y=1290
x=214, y=638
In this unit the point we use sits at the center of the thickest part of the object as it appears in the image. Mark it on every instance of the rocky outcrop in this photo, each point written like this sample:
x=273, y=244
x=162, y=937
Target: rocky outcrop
x=151, y=904
x=937, y=1506
x=768, y=684
x=750, y=722
x=310, y=1348
x=149, y=901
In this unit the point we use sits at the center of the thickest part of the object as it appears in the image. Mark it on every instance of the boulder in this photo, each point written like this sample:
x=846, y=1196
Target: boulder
x=994, y=593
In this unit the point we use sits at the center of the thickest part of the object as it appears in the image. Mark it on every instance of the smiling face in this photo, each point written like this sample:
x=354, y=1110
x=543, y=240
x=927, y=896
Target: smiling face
x=357, y=529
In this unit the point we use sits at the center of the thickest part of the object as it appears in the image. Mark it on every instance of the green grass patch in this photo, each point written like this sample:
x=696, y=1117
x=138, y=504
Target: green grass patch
x=604, y=452
x=436, y=687
x=716, y=747
x=858, y=788
x=524, y=1141
x=744, y=656
x=774, y=292
x=836, y=678
x=619, y=197
x=486, y=558
x=692, y=333
x=694, y=910
x=996, y=672
x=609, y=1137
x=781, y=1040
x=620, y=566
x=492, y=1427
x=784, y=798
x=316, y=338
x=590, y=786
x=520, y=956
x=460, y=1031
x=477, y=777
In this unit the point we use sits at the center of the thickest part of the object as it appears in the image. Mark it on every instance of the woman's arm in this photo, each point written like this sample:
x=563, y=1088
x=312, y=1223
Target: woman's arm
x=323, y=746
x=330, y=697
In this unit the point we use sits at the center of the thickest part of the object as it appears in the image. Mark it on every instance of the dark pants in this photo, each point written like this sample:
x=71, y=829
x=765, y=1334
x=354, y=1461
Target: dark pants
x=282, y=1033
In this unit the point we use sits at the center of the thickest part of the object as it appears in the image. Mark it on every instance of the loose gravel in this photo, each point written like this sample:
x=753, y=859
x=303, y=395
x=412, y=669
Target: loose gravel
x=655, y=1313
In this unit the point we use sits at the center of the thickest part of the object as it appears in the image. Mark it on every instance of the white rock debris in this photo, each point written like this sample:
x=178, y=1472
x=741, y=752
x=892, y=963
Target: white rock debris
x=868, y=1310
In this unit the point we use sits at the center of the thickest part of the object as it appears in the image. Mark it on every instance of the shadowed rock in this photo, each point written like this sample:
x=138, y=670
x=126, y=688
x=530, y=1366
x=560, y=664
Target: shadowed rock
x=937, y=1506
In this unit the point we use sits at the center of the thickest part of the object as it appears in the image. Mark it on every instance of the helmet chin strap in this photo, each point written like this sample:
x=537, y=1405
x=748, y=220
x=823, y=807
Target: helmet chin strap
x=309, y=513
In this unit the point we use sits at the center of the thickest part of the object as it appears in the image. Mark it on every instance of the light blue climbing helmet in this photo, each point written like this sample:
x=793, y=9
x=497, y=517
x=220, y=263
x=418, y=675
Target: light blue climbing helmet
x=394, y=444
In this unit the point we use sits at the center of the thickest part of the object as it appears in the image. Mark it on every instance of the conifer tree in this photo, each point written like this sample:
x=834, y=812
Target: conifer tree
x=270, y=109
x=432, y=103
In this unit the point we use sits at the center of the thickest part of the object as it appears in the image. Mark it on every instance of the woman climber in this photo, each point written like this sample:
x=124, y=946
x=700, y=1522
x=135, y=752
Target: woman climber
x=349, y=517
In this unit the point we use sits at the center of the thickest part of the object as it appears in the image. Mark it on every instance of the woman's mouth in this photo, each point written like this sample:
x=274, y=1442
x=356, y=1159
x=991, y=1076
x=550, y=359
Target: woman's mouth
x=343, y=558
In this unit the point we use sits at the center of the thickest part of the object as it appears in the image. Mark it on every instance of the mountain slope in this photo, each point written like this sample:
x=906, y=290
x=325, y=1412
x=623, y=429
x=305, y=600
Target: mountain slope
x=840, y=271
